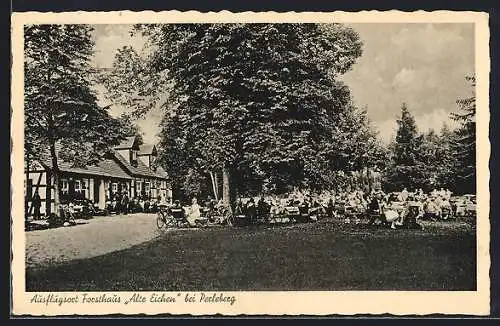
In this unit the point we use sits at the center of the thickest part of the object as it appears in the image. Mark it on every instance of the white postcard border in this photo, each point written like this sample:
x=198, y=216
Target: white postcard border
x=262, y=303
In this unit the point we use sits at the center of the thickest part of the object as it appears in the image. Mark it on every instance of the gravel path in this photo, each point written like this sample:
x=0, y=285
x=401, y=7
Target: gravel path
x=97, y=236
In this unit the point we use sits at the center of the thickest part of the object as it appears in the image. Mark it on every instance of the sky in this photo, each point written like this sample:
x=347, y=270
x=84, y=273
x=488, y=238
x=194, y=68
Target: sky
x=423, y=65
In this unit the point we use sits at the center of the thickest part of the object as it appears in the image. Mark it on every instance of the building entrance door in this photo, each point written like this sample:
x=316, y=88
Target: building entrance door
x=95, y=196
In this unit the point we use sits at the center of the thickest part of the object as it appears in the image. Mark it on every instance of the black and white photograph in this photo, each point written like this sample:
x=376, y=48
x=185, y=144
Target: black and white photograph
x=194, y=162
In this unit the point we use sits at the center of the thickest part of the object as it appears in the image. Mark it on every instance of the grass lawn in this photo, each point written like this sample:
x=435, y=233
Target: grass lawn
x=319, y=256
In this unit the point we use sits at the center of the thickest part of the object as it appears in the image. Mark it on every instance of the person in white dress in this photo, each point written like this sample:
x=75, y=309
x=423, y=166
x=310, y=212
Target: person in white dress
x=194, y=213
x=404, y=194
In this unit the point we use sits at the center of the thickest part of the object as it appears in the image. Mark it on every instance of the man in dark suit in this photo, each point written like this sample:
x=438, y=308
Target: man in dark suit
x=124, y=203
x=37, y=203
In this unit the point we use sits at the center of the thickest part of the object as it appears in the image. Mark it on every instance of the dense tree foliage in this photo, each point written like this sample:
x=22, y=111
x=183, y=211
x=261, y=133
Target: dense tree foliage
x=59, y=105
x=407, y=168
x=465, y=142
x=261, y=102
x=432, y=160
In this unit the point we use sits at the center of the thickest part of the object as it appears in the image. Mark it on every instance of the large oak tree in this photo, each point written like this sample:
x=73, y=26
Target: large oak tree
x=261, y=102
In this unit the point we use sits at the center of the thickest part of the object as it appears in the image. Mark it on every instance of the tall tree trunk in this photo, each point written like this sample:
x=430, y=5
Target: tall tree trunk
x=55, y=165
x=55, y=174
x=216, y=177
x=214, y=185
x=368, y=176
x=226, y=184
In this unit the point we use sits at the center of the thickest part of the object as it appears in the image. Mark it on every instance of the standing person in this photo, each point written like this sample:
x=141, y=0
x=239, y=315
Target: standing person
x=118, y=202
x=420, y=194
x=124, y=203
x=238, y=210
x=375, y=208
x=251, y=211
x=37, y=203
x=448, y=194
x=404, y=194
x=330, y=207
x=262, y=209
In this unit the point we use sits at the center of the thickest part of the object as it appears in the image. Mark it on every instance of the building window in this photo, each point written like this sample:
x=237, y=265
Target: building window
x=147, y=188
x=107, y=190
x=138, y=187
x=85, y=187
x=78, y=185
x=114, y=187
x=64, y=186
x=133, y=157
x=78, y=189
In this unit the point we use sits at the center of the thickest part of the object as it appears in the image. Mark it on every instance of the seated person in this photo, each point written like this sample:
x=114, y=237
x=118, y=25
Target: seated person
x=262, y=208
x=177, y=211
x=431, y=209
x=304, y=208
x=411, y=216
x=375, y=206
x=238, y=209
x=194, y=213
x=210, y=203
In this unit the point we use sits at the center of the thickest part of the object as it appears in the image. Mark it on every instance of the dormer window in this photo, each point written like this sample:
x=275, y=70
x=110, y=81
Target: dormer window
x=133, y=157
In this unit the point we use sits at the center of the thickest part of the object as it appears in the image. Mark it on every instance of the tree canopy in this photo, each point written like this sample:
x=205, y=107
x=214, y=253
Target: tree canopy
x=59, y=104
x=262, y=100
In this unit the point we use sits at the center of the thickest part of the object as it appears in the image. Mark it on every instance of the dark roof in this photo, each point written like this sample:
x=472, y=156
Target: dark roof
x=129, y=142
x=140, y=170
x=106, y=167
x=112, y=165
x=147, y=150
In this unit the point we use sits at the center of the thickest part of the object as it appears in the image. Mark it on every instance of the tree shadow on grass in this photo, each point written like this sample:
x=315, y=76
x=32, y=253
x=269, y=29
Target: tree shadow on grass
x=310, y=257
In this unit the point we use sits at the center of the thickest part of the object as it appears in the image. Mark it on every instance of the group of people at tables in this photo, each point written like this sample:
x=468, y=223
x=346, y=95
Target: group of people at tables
x=402, y=207
x=379, y=206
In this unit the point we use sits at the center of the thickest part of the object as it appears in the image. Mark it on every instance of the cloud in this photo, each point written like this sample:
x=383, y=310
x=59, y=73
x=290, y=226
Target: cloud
x=150, y=126
x=404, y=77
x=423, y=65
x=432, y=40
x=387, y=129
x=109, y=38
x=433, y=120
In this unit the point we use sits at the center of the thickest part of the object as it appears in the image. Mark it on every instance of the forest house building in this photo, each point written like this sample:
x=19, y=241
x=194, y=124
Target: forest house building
x=128, y=167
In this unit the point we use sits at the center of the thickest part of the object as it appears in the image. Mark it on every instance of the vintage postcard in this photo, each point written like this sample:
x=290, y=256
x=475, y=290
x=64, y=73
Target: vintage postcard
x=253, y=163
